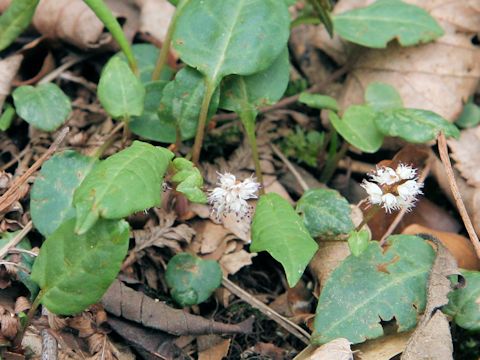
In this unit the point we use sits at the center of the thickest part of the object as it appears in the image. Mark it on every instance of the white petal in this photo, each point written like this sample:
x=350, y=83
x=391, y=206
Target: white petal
x=385, y=176
x=408, y=189
x=406, y=172
x=390, y=202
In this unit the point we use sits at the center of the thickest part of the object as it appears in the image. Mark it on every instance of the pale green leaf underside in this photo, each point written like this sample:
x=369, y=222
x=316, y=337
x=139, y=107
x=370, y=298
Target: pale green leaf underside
x=358, y=128
x=375, y=286
x=74, y=271
x=123, y=184
x=280, y=231
x=414, y=125
x=52, y=192
x=325, y=212
x=191, y=279
x=242, y=37
x=464, y=303
x=385, y=20
x=45, y=106
x=120, y=92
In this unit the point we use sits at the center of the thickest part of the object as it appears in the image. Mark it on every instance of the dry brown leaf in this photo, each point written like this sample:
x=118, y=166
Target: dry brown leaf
x=155, y=16
x=232, y=263
x=432, y=339
x=123, y=301
x=338, y=349
x=460, y=247
x=383, y=348
x=466, y=153
x=8, y=69
x=210, y=235
x=212, y=347
x=438, y=76
x=73, y=21
x=329, y=255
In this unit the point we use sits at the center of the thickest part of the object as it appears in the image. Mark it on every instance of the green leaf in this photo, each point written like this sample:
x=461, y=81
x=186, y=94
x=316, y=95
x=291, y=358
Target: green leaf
x=123, y=184
x=181, y=102
x=149, y=125
x=189, y=180
x=325, y=212
x=470, y=115
x=15, y=19
x=464, y=303
x=7, y=117
x=45, y=106
x=120, y=92
x=358, y=242
x=74, y=271
x=414, y=125
x=358, y=128
x=26, y=262
x=263, y=88
x=51, y=198
x=375, y=25
x=280, y=231
x=146, y=56
x=382, y=96
x=318, y=101
x=374, y=286
x=232, y=36
x=191, y=279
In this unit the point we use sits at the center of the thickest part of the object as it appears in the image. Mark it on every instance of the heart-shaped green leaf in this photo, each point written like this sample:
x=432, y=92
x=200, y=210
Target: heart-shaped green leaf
x=377, y=24
x=280, y=231
x=318, y=101
x=181, y=102
x=74, y=271
x=189, y=180
x=45, y=106
x=52, y=192
x=382, y=96
x=149, y=125
x=325, y=212
x=358, y=127
x=374, y=286
x=242, y=37
x=464, y=303
x=191, y=279
x=120, y=92
x=15, y=19
x=124, y=183
x=25, y=261
x=257, y=90
x=414, y=125
x=469, y=117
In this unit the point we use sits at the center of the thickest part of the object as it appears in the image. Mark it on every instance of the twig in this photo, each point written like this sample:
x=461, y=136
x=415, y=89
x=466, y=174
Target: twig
x=356, y=166
x=15, y=159
x=443, y=150
x=288, y=325
x=291, y=99
x=290, y=167
x=16, y=239
x=401, y=213
x=36, y=165
x=22, y=251
x=49, y=346
x=20, y=266
x=58, y=71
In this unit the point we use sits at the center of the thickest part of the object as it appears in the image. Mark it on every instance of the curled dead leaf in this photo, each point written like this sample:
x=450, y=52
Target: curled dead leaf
x=8, y=69
x=466, y=153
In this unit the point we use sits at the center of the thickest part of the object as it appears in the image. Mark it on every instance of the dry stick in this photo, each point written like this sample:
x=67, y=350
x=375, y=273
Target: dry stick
x=36, y=165
x=288, y=325
x=290, y=167
x=15, y=240
x=58, y=71
x=402, y=212
x=443, y=150
x=15, y=159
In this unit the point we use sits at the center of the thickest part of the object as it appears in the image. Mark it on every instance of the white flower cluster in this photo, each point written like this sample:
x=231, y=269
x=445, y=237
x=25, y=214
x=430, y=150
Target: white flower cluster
x=393, y=189
x=230, y=196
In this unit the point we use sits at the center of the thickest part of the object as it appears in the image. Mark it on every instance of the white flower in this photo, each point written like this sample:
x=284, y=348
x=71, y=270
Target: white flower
x=230, y=196
x=393, y=189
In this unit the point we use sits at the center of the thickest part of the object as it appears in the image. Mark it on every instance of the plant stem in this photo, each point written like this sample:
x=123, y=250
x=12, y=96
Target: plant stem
x=165, y=49
x=248, y=120
x=106, y=17
x=368, y=216
x=202, y=121
x=17, y=342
